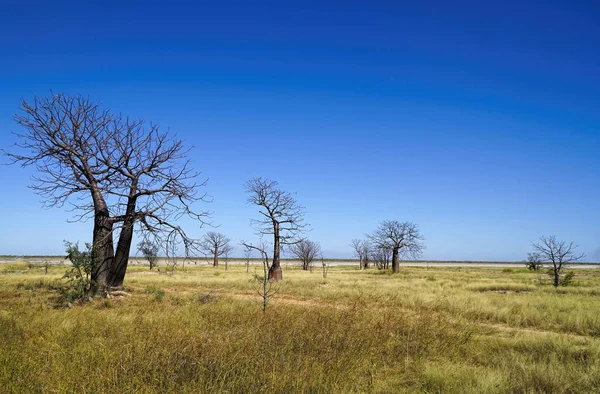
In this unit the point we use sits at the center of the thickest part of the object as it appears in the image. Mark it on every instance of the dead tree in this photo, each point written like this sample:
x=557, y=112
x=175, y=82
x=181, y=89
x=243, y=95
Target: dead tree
x=305, y=251
x=281, y=216
x=267, y=288
x=361, y=249
x=112, y=169
x=401, y=238
x=556, y=253
x=215, y=245
x=381, y=256
x=247, y=254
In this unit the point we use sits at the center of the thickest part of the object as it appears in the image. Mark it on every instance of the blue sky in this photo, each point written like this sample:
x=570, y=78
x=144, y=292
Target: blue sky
x=478, y=121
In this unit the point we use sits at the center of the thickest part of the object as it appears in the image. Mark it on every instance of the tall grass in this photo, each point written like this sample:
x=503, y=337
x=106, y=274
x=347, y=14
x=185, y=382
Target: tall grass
x=467, y=331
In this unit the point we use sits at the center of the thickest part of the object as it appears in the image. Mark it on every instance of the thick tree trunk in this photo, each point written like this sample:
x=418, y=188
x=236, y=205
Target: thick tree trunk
x=103, y=250
x=556, y=277
x=216, y=259
x=395, y=261
x=121, y=260
x=275, y=272
x=119, y=266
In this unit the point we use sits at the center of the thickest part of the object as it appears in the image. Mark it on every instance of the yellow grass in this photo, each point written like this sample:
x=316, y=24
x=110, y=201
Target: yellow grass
x=446, y=330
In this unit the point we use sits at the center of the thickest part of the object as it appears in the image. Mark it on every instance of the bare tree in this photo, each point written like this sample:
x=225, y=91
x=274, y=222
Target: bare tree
x=382, y=255
x=361, y=250
x=112, y=169
x=215, y=245
x=149, y=251
x=171, y=253
x=305, y=251
x=281, y=216
x=401, y=238
x=557, y=253
x=247, y=254
x=267, y=285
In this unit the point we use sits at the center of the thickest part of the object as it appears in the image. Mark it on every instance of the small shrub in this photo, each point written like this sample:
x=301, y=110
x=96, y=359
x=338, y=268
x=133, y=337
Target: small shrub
x=567, y=279
x=157, y=293
x=507, y=270
x=431, y=278
x=79, y=283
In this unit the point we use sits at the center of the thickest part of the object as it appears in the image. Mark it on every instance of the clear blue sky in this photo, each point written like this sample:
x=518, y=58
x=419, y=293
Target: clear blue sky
x=479, y=121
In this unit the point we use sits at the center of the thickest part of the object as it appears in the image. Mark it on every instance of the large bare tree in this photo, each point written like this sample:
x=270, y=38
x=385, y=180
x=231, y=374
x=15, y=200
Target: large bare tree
x=281, y=216
x=112, y=169
x=556, y=252
x=306, y=251
x=216, y=245
x=401, y=238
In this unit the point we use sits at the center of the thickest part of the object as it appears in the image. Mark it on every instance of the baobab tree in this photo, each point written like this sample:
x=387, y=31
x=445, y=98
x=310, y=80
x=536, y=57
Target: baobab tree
x=115, y=170
x=281, y=216
x=401, y=238
x=361, y=249
x=216, y=245
x=557, y=253
x=305, y=251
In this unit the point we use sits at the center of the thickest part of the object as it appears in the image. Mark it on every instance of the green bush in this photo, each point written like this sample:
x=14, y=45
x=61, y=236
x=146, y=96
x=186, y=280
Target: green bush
x=79, y=283
x=157, y=293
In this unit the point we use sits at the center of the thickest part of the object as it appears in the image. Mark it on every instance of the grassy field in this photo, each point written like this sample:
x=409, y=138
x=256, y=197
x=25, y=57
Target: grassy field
x=202, y=330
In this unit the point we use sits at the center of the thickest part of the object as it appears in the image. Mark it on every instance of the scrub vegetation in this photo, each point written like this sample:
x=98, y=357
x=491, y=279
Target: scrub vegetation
x=202, y=330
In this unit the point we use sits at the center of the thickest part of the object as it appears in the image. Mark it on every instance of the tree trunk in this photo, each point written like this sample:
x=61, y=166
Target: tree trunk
x=103, y=250
x=395, y=261
x=275, y=272
x=215, y=259
x=556, y=276
x=119, y=266
x=121, y=260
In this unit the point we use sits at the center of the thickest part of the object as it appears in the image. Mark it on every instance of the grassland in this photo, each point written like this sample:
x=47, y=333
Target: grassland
x=202, y=330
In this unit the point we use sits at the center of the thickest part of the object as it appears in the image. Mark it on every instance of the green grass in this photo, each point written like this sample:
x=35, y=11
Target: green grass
x=446, y=330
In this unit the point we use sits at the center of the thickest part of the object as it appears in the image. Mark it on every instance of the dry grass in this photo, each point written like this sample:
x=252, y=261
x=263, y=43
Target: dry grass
x=450, y=330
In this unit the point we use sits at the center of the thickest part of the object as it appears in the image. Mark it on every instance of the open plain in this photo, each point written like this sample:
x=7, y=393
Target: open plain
x=437, y=329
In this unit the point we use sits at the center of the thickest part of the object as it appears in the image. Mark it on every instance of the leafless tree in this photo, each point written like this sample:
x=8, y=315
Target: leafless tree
x=267, y=286
x=361, y=250
x=382, y=256
x=215, y=245
x=401, y=238
x=109, y=168
x=305, y=251
x=247, y=254
x=171, y=247
x=281, y=216
x=557, y=253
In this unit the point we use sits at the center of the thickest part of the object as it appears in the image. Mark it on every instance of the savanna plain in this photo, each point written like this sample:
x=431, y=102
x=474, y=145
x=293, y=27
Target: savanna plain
x=203, y=330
